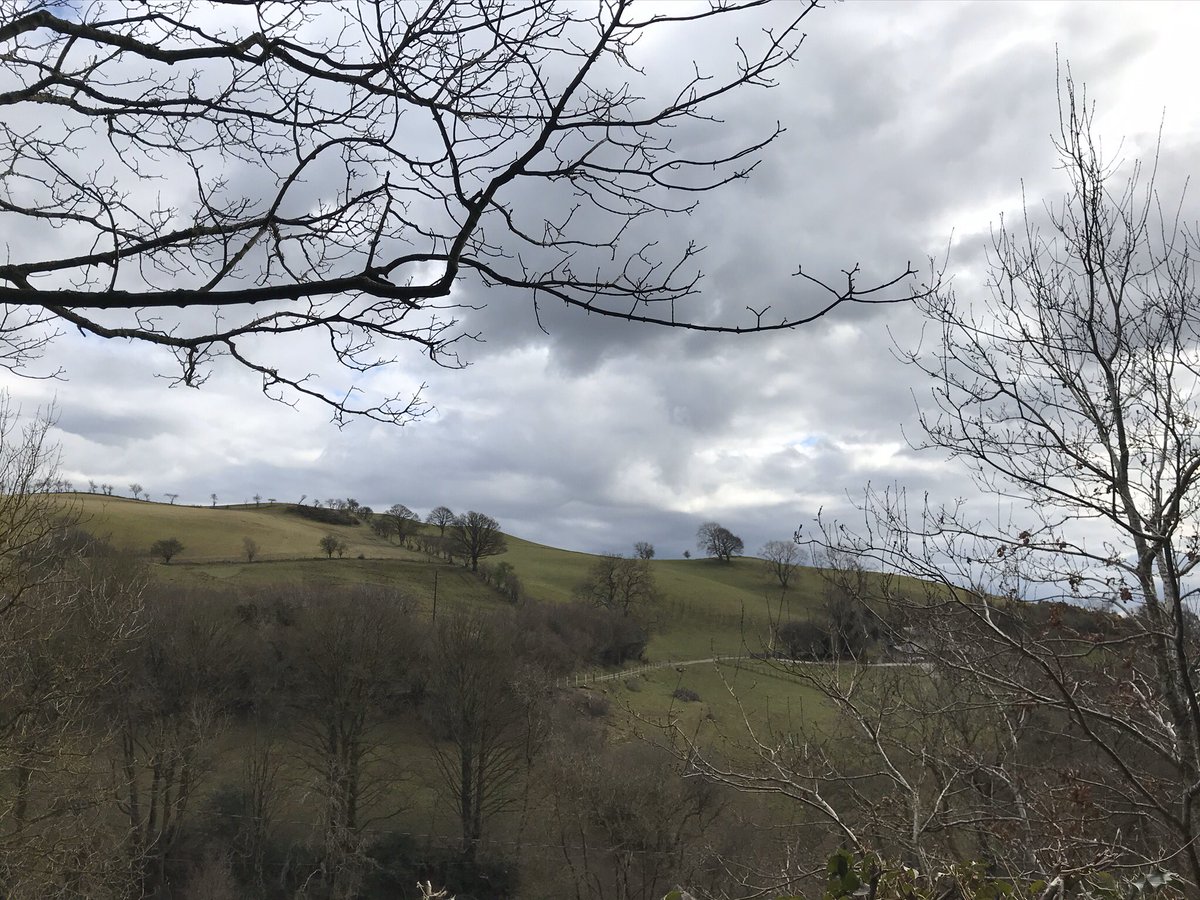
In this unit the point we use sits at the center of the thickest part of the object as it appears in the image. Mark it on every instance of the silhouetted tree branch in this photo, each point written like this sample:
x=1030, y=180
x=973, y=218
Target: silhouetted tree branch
x=241, y=180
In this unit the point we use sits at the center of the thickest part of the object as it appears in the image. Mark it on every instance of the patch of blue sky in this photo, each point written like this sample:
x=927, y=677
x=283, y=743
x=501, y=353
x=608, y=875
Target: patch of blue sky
x=810, y=441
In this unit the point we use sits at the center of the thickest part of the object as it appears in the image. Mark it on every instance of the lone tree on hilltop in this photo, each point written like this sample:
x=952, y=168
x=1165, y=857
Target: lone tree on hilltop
x=643, y=550
x=441, y=516
x=719, y=542
x=349, y=170
x=166, y=548
x=475, y=535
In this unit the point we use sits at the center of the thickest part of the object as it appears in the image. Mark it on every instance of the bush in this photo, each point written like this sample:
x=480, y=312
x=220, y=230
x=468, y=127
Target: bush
x=323, y=515
x=331, y=544
x=596, y=705
x=166, y=548
x=399, y=864
x=687, y=695
x=562, y=637
x=801, y=640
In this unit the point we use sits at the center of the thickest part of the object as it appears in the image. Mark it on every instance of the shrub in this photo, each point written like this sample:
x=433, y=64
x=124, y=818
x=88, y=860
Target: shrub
x=324, y=515
x=687, y=695
x=561, y=637
x=331, y=544
x=596, y=705
x=166, y=548
x=801, y=640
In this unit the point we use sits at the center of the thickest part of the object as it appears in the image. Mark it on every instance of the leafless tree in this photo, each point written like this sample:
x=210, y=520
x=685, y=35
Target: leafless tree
x=167, y=548
x=781, y=559
x=441, y=516
x=474, y=535
x=718, y=541
x=1034, y=706
x=262, y=778
x=1072, y=392
x=250, y=548
x=643, y=550
x=331, y=544
x=620, y=584
x=136, y=490
x=914, y=764
x=402, y=520
x=352, y=651
x=66, y=601
x=172, y=498
x=627, y=825
x=355, y=172
x=490, y=720
x=163, y=703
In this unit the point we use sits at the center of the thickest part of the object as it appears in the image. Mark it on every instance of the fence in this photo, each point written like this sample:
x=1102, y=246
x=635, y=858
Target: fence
x=579, y=679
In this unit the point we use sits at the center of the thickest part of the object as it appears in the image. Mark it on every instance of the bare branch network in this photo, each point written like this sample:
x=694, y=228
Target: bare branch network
x=223, y=179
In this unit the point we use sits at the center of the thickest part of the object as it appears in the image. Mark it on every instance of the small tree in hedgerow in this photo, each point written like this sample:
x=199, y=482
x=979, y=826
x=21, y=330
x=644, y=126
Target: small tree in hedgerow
x=331, y=544
x=249, y=548
x=166, y=548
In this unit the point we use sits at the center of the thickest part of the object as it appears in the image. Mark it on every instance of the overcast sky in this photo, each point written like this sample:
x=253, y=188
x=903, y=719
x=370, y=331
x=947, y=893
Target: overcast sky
x=911, y=127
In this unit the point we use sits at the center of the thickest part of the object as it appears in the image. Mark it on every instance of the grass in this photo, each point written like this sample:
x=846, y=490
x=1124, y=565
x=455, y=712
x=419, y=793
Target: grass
x=731, y=694
x=708, y=608
x=214, y=534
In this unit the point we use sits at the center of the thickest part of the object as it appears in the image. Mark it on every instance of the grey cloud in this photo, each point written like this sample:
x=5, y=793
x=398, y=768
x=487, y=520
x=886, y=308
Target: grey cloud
x=905, y=121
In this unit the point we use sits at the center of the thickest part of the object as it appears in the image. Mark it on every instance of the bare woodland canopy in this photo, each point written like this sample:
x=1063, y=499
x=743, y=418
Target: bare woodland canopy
x=231, y=180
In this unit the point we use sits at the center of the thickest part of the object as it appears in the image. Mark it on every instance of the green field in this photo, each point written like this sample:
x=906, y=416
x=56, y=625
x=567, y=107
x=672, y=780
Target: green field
x=678, y=696
x=708, y=608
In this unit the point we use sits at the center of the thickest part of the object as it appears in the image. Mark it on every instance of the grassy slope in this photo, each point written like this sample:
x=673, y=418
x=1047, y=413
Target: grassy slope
x=215, y=534
x=708, y=608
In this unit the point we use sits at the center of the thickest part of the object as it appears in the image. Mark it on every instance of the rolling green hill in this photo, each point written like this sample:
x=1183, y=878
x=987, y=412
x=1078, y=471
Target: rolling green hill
x=708, y=607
